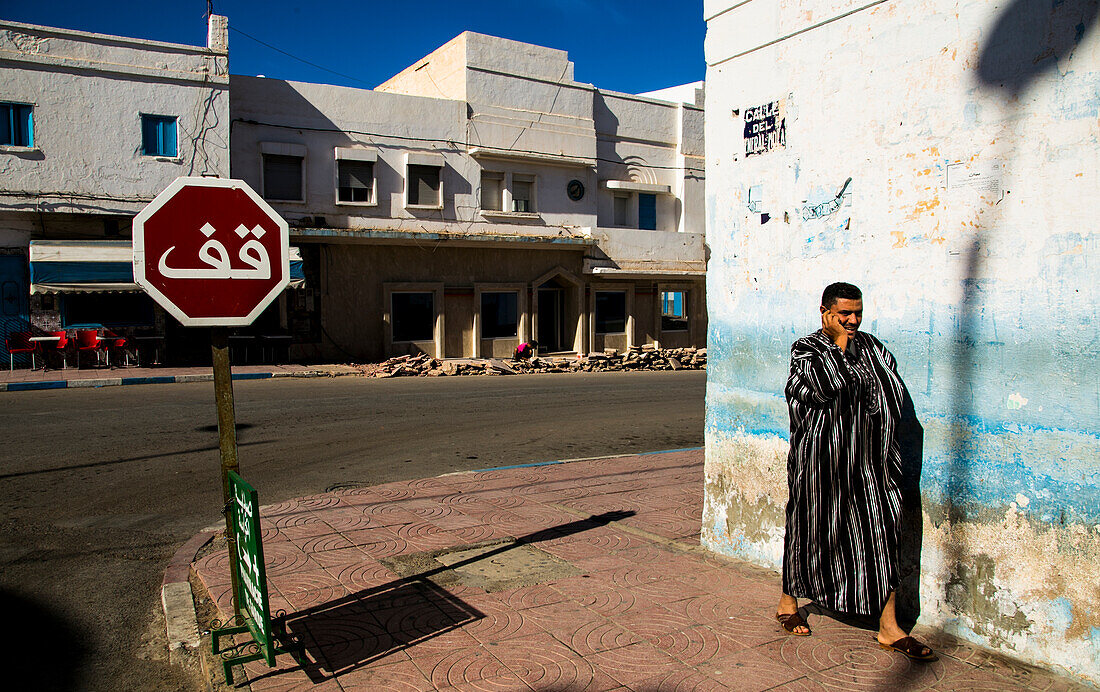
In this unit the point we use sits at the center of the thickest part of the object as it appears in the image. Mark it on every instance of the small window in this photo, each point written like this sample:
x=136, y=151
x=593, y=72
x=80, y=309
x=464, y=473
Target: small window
x=523, y=194
x=621, y=204
x=413, y=316
x=283, y=177
x=647, y=211
x=17, y=124
x=158, y=135
x=424, y=186
x=492, y=191
x=355, y=181
x=610, y=312
x=499, y=315
x=674, y=311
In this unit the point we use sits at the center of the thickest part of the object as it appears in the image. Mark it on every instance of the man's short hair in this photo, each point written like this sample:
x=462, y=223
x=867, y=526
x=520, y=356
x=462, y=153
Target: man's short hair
x=834, y=292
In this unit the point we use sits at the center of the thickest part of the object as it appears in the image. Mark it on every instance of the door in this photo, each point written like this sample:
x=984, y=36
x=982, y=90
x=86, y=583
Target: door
x=551, y=320
x=14, y=292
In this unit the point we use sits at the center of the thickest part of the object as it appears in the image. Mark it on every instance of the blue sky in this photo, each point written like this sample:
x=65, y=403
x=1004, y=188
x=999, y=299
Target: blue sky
x=623, y=45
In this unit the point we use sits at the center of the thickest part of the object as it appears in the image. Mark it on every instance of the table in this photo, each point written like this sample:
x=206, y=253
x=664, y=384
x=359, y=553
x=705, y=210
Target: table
x=242, y=340
x=38, y=339
x=156, y=347
x=273, y=341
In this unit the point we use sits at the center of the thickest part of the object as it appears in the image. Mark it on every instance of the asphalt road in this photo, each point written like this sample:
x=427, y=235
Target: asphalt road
x=100, y=486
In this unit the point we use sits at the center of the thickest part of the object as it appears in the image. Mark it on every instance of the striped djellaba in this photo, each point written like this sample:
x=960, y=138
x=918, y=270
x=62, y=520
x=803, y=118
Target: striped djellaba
x=843, y=473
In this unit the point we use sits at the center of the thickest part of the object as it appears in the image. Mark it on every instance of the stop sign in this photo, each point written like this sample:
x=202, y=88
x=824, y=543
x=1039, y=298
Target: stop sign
x=211, y=252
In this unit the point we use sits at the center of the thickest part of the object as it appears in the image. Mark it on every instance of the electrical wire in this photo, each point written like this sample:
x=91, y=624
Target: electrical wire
x=291, y=55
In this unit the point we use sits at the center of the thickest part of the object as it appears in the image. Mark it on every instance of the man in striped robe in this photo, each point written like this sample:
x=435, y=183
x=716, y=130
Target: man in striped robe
x=845, y=397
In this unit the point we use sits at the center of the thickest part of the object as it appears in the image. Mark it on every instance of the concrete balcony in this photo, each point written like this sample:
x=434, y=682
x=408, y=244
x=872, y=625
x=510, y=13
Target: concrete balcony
x=629, y=251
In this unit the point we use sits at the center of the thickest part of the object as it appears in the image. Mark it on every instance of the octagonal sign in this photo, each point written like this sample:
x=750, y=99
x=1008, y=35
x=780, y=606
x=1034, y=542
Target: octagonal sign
x=211, y=252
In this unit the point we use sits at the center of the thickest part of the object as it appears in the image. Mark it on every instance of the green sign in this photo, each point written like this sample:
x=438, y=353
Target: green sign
x=249, y=564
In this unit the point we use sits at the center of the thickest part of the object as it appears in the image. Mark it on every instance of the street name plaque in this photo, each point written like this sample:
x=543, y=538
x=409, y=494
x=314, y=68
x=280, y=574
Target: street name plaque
x=252, y=598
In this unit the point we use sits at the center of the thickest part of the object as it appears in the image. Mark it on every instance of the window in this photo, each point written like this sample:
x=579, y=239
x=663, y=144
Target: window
x=499, y=315
x=674, y=311
x=17, y=124
x=523, y=194
x=610, y=312
x=492, y=191
x=106, y=310
x=355, y=181
x=647, y=211
x=413, y=316
x=158, y=135
x=622, y=203
x=283, y=177
x=424, y=188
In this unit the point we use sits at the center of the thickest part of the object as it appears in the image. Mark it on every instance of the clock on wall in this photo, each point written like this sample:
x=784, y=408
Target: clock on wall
x=575, y=190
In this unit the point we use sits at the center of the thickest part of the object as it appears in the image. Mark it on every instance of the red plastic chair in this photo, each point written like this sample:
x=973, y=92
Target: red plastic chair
x=88, y=340
x=20, y=342
x=118, y=343
x=62, y=346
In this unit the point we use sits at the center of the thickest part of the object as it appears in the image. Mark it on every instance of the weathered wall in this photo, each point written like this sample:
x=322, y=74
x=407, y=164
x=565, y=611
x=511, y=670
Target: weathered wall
x=968, y=130
x=89, y=92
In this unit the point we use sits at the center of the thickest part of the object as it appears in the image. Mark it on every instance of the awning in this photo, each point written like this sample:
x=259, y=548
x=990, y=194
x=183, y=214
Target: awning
x=91, y=266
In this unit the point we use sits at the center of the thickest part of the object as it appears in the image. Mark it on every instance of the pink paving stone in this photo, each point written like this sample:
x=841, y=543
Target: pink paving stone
x=601, y=563
x=653, y=623
x=697, y=645
x=499, y=623
x=632, y=664
x=465, y=666
x=543, y=663
x=595, y=636
x=402, y=676
x=679, y=678
x=748, y=670
x=528, y=597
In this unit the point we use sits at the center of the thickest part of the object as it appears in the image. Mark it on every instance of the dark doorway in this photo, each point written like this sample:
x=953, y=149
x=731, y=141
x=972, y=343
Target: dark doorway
x=551, y=336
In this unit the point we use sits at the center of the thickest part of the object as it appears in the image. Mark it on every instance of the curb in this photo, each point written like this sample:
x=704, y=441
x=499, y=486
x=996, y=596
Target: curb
x=175, y=594
x=117, y=381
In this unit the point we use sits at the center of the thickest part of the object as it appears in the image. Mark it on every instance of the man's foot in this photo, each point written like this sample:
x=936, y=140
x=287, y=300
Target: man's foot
x=793, y=624
x=910, y=648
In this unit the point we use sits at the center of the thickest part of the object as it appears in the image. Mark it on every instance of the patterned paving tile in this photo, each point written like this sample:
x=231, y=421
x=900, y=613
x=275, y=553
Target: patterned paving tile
x=678, y=678
x=594, y=636
x=748, y=670
x=696, y=645
x=529, y=597
x=653, y=623
x=750, y=628
x=498, y=622
x=360, y=574
x=465, y=667
x=543, y=663
x=284, y=558
x=402, y=676
x=608, y=602
x=633, y=663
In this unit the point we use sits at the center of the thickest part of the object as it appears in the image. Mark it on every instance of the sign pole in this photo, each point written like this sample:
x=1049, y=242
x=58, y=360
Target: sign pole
x=227, y=443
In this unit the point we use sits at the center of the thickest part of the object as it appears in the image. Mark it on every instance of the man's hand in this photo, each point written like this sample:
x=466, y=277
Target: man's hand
x=830, y=324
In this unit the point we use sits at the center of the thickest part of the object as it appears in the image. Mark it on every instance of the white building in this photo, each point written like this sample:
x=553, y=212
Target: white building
x=480, y=198
x=94, y=126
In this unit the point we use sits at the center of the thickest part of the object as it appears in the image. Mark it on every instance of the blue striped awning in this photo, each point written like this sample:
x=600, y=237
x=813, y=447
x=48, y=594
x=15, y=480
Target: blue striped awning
x=76, y=266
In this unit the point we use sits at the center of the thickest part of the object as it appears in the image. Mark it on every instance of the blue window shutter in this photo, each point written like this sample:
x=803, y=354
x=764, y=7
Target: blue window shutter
x=158, y=135
x=678, y=304
x=16, y=128
x=150, y=142
x=647, y=211
x=28, y=126
x=168, y=134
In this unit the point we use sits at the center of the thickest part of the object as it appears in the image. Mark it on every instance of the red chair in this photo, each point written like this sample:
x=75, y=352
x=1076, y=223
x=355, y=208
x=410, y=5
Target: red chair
x=118, y=343
x=20, y=342
x=62, y=346
x=88, y=340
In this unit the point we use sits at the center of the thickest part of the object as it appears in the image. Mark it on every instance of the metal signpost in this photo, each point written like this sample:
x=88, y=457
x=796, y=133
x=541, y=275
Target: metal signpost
x=214, y=254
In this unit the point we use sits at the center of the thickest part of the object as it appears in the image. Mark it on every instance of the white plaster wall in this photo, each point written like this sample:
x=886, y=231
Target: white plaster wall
x=986, y=293
x=88, y=92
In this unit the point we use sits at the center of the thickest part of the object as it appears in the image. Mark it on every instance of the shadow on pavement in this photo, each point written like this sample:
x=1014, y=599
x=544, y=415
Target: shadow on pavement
x=43, y=644
x=350, y=632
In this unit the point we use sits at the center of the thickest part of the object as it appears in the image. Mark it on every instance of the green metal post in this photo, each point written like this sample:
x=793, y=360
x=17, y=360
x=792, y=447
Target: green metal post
x=227, y=443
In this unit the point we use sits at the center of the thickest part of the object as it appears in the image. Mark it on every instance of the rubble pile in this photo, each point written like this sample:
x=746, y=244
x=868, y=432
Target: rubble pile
x=645, y=357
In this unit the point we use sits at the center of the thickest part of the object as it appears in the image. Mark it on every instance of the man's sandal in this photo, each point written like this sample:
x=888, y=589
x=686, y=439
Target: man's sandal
x=791, y=622
x=911, y=648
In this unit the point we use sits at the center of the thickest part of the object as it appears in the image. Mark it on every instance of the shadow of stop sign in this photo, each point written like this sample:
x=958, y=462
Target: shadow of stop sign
x=211, y=252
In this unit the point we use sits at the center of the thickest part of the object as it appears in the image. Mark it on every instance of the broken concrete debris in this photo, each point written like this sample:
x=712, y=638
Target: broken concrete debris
x=646, y=357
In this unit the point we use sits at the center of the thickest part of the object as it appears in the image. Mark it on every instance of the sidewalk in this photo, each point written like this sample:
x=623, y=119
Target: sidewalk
x=24, y=380
x=422, y=585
